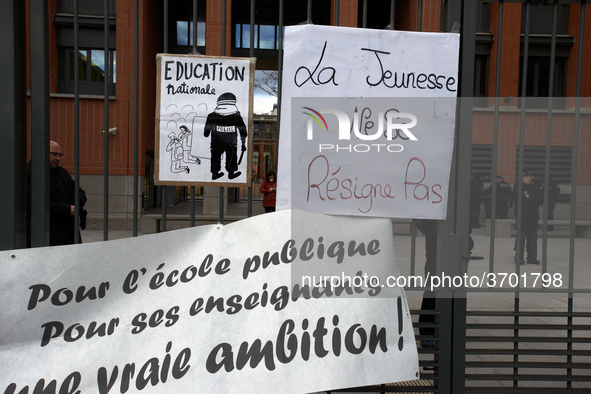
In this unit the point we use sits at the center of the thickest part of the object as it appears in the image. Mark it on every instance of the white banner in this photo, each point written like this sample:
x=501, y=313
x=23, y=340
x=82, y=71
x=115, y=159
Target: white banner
x=236, y=308
x=367, y=121
x=204, y=120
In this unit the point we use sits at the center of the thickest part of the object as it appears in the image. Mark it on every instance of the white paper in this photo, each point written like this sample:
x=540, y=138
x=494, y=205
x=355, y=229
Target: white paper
x=175, y=309
x=338, y=76
x=204, y=119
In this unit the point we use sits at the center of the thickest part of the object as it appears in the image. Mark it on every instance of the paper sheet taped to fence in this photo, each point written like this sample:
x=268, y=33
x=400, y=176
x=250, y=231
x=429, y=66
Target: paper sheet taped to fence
x=367, y=121
x=209, y=309
x=203, y=120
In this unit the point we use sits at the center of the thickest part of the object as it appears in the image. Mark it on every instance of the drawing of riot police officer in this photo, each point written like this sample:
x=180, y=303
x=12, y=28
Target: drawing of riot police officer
x=225, y=124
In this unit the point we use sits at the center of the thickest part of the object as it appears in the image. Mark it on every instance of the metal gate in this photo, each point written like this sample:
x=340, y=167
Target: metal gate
x=529, y=334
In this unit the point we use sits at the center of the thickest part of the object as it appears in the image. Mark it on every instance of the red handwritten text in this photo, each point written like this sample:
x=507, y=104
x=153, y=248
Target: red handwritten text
x=330, y=185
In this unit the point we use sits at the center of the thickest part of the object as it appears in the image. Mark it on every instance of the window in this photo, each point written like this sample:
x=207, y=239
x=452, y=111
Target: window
x=184, y=33
x=539, y=52
x=484, y=41
x=265, y=36
x=91, y=69
x=181, y=26
x=266, y=26
x=91, y=43
x=375, y=14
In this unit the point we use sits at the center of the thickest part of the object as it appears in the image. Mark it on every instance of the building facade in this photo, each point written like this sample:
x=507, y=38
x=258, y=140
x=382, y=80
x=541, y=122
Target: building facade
x=167, y=26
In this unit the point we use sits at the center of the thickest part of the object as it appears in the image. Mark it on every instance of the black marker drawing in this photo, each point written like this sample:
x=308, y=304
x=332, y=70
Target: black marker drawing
x=186, y=139
x=176, y=154
x=224, y=124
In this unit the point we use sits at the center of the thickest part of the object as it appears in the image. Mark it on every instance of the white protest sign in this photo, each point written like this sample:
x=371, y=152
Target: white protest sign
x=204, y=120
x=233, y=308
x=367, y=121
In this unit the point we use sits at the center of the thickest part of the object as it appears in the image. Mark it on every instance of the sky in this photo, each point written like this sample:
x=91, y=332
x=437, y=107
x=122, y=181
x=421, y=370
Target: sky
x=263, y=103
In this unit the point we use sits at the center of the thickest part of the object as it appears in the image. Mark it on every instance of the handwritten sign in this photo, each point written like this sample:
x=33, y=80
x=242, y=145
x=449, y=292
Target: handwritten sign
x=233, y=308
x=367, y=121
x=204, y=120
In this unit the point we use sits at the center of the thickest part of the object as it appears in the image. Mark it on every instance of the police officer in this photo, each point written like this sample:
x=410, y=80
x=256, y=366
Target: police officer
x=504, y=198
x=527, y=219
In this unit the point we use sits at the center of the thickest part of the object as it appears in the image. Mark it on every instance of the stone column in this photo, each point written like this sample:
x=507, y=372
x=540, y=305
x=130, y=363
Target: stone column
x=211, y=200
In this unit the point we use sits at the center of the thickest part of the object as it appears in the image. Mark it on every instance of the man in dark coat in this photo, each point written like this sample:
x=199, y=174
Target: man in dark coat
x=62, y=200
x=553, y=193
x=527, y=219
x=504, y=197
x=476, y=192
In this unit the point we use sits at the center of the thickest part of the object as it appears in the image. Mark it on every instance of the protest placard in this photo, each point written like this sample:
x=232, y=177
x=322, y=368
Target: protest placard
x=367, y=121
x=203, y=120
x=235, y=308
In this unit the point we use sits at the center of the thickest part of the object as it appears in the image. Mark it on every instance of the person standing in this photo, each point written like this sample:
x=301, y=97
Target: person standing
x=527, y=219
x=62, y=204
x=553, y=193
x=428, y=228
x=476, y=192
x=504, y=197
x=269, y=188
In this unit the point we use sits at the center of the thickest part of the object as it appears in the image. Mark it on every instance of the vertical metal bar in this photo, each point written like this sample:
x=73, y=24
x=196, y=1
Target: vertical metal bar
x=76, y=122
x=392, y=8
x=106, y=129
x=163, y=188
x=549, y=140
x=493, y=205
x=519, y=180
x=195, y=25
x=224, y=22
x=136, y=95
x=195, y=30
x=574, y=175
x=13, y=117
x=575, y=153
x=364, y=23
x=457, y=227
x=252, y=27
x=279, y=66
x=251, y=54
x=518, y=248
x=309, y=12
x=337, y=13
x=39, y=40
x=442, y=16
x=413, y=246
x=420, y=16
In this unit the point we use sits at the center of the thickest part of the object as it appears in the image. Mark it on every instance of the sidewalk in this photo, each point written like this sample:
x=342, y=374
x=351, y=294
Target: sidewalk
x=554, y=252
x=123, y=228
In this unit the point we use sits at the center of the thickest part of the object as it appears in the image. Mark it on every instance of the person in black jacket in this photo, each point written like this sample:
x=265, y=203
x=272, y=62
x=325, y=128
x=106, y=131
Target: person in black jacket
x=527, y=219
x=476, y=192
x=62, y=201
x=504, y=197
x=225, y=124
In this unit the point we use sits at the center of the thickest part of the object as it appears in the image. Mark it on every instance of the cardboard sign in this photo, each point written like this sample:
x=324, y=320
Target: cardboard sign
x=367, y=121
x=236, y=308
x=204, y=120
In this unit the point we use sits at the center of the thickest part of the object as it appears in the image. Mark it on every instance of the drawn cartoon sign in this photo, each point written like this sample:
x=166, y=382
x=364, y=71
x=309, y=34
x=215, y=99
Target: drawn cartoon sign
x=204, y=120
x=367, y=121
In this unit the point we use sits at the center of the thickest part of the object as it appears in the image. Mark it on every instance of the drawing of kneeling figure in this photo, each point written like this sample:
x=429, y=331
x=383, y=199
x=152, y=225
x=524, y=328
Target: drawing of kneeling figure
x=186, y=139
x=224, y=124
x=176, y=154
